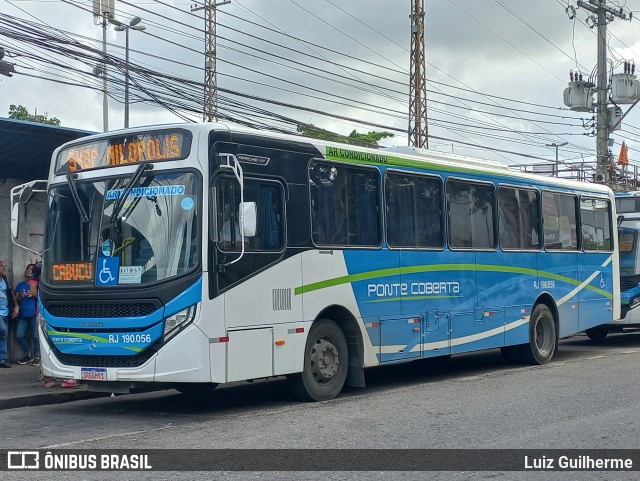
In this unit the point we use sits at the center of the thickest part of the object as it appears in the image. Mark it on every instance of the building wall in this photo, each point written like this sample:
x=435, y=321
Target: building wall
x=31, y=229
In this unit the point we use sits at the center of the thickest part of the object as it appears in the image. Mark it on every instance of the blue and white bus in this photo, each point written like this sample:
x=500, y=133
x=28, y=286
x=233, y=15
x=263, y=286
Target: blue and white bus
x=628, y=209
x=188, y=256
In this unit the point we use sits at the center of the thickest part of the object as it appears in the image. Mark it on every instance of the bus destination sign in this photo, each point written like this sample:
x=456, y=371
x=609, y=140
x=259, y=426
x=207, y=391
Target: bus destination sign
x=130, y=149
x=72, y=271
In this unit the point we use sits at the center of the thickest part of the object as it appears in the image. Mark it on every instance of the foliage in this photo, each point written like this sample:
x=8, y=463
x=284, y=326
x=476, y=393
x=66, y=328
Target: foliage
x=19, y=112
x=369, y=139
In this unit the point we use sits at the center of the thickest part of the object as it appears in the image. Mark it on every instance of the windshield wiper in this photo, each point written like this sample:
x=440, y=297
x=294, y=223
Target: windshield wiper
x=71, y=180
x=119, y=203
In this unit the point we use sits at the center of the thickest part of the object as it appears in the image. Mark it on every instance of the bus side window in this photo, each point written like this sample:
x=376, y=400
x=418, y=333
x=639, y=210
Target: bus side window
x=509, y=218
x=268, y=197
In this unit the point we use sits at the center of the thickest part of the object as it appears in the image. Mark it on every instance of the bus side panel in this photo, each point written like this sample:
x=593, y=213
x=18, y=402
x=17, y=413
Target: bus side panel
x=506, y=292
x=181, y=359
x=327, y=282
x=377, y=288
x=464, y=330
x=433, y=290
x=266, y=298
x=595, y=300
x=558, y=276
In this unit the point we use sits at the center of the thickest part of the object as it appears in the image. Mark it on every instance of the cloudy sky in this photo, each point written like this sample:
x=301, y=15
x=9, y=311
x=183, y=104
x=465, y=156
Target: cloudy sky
x=496, y=69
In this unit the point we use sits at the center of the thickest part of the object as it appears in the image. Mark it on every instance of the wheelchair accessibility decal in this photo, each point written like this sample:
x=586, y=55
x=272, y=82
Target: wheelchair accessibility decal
x=107, y=271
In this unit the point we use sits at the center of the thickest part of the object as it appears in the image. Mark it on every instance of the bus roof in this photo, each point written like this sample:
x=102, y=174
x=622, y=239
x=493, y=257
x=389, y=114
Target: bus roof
x=442, y=159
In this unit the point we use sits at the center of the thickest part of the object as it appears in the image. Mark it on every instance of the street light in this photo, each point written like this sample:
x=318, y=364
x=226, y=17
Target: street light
x=556, y=146
x=133, y=24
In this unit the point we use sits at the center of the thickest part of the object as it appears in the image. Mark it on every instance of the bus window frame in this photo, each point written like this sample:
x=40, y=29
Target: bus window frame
x=443, y=222
x=380, y=216
x=495, y=215
x=213, y=225
x=608, y=200
x=575, y=196
x=540, y=231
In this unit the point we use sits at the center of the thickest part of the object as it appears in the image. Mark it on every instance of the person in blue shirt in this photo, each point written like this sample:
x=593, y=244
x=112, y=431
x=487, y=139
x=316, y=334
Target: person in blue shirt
x=8, y=306
x=26, y=293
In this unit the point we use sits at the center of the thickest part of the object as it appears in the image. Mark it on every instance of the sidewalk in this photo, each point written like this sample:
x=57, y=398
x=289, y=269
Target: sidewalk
x=20, y=386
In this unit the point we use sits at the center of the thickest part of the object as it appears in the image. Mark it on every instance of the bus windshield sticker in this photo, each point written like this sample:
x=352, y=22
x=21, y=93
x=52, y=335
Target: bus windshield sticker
x=130, y=275
x=187, y=203
x=107, y=271
x=147, y=191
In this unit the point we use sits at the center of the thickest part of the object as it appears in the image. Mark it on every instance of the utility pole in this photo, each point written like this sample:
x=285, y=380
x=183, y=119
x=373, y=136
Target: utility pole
x=210, y=109
x=418, y=130
x=103, y=10
x=134, y=24
x=602, y=15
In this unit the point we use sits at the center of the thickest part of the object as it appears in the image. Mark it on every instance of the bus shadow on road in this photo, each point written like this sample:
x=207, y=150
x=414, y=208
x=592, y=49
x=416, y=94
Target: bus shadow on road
x=273, y=393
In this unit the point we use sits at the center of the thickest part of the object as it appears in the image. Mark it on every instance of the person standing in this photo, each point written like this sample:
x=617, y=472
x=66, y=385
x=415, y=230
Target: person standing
x=26, y=293
x=8, y=307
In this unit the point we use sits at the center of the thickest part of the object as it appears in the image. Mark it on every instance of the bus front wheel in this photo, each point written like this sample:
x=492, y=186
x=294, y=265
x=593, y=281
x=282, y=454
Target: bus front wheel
x=326, y=361
x=543, y=339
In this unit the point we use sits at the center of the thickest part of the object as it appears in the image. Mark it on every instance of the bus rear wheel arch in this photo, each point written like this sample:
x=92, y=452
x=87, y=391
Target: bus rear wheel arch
x=326, y=362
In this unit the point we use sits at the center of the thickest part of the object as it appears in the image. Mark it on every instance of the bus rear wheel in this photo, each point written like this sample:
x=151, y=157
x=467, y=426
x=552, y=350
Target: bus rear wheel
x=326, y=361
x=543, y=338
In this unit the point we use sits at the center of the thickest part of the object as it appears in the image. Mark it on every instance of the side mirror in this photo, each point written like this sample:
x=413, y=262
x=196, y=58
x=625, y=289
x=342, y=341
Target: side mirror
x=248, y=218
x=25, y=194
x=15, y=218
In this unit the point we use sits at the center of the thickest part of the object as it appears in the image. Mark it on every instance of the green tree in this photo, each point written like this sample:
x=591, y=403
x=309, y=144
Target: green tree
x=369, y=139
x=19, y=112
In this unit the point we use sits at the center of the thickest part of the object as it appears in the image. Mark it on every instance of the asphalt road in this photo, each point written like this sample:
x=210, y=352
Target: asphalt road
x=587, y=398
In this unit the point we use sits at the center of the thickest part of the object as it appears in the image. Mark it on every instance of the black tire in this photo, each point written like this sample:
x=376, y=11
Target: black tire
x=196, y=389
x=543, y=337
x=597, y=334
x=326, y=362
x=511, y=354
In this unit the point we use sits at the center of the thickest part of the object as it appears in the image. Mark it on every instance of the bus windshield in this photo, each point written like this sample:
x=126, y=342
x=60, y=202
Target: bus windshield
x=149, y=236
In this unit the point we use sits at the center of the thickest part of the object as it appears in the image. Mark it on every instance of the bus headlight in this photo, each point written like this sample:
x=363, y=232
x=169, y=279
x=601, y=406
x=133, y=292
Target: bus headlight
x=174, y=324
x=635, y=302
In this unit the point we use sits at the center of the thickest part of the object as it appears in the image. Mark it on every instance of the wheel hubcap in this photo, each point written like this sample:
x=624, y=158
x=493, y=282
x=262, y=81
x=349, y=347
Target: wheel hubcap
x=324, y=360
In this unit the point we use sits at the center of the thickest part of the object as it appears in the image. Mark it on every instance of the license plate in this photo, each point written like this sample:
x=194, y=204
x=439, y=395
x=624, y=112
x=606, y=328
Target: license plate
x=93, y=374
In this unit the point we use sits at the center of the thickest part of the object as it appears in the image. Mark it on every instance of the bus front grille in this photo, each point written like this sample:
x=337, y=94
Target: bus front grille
x=105, y=361
x=92, y=311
